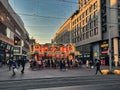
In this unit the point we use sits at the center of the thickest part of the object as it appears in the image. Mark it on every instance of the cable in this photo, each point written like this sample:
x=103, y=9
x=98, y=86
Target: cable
x=67, y=1
x=40, y=26
x=34, y=15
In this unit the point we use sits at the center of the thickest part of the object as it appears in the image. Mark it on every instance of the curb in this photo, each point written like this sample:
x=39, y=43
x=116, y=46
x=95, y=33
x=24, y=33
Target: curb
x=117, y=72
x=107, y=71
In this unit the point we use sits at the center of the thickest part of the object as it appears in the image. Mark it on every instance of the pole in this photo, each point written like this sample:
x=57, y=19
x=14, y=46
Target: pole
x=109, y=33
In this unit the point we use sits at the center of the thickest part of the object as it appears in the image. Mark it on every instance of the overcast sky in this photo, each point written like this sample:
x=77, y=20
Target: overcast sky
x=42, y=18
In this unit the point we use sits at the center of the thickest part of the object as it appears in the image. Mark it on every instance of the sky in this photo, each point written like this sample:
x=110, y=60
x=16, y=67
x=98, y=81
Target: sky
x=42, y=18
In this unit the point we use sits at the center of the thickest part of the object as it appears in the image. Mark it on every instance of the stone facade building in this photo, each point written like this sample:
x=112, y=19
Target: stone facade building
x=93, y=28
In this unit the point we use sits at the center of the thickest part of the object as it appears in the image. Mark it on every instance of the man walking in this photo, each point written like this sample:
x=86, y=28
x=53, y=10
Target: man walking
x=23, y=65
x=9, y=62
x=98, y=64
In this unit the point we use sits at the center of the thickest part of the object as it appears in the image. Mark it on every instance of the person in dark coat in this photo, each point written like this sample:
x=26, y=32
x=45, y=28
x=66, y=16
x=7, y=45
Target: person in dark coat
x=23, y=65
x=61, y=64
x=98, y=64
x=9, y=62
x=18, y=63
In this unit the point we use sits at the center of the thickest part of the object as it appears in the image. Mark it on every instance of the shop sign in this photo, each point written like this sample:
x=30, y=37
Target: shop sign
x=104, y=52
x=95, y=54
x=104, y=45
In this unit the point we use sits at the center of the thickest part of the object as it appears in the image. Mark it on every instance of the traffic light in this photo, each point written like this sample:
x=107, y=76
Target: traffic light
x=15, y=42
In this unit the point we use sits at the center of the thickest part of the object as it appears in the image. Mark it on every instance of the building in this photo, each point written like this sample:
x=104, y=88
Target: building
x=31, y=46
x=93, y=28
x=62, y=36
x=14, y=39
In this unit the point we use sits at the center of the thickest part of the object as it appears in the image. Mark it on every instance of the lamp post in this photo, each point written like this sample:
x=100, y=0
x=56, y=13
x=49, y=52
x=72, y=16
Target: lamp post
x=109, y=34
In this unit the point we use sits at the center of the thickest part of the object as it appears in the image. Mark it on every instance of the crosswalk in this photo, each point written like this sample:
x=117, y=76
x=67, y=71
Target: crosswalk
x=109, y=82
x=86, y=87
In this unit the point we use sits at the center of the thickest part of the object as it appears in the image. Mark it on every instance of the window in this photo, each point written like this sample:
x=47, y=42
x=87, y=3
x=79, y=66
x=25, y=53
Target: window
x=96, y=14
x=95, y=5
x=95, y=31
x=92, y=24
x=87, y=35
x=83, y=36
x=95, y=23
x=90, y=9
x=17, y=50
x=104, y=28
x=91, y=33
x=103, y=1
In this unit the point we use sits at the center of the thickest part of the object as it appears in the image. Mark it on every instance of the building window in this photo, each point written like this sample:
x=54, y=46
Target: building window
x=95, y=5
x=91, y=33
x=95, y=31
x=90, y=8
x=87, y=35
x=95, y=14
x=104, y=28
x=83, y=36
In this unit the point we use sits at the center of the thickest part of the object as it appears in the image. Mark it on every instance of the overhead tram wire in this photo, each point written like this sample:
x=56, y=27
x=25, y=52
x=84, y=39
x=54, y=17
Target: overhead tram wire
x=34, y=15
x=39, y=26
x=67, y=1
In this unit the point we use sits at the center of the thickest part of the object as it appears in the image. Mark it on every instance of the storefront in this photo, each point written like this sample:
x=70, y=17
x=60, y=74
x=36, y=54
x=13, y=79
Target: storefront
x=104, y=57
x=85, y=52
x=6, y=50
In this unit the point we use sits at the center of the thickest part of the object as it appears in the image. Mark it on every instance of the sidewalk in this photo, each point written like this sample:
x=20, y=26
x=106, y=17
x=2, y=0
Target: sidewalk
x=5, y=74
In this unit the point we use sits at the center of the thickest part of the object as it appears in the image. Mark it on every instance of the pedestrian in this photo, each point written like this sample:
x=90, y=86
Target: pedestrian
x=91, y=64
x=23, y=65
x=34, y=64
x=61, y=66
x=80, y=63
x=14, y=67
x=87, y=63
x=9, y=62
x=18, y=63
x=98, y=64
x=39, y=64
x=3, y=62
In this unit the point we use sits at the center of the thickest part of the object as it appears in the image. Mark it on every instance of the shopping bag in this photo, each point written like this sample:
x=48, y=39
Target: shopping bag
x=92, y=67
x=15, y=69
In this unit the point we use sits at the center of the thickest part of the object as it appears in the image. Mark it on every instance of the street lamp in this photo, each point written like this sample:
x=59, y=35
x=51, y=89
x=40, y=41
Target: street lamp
x=109, y=34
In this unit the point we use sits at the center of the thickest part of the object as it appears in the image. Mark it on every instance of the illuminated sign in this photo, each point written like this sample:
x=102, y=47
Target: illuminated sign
x=104, y=45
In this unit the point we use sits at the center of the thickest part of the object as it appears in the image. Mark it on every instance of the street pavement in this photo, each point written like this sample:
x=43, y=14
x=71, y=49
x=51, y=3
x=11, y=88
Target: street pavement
x=55, y=79
x=5, y=74
x=96, y=82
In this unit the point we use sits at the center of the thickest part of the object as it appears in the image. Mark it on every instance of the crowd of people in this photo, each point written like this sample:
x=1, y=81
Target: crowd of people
x=62, y=64
x=14, y=64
